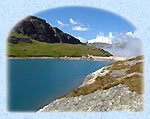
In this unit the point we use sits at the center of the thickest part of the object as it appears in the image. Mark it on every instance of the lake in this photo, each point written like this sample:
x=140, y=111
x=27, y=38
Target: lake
x=33, y=83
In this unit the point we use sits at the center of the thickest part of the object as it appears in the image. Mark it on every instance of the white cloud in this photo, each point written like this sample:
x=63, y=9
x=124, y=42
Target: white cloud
x=72, y=21
x=60, y=23
x=79, y=28
x=123, y=44
x=110, y=35
x=102, y=39
x=129, y=33
x=81, y=39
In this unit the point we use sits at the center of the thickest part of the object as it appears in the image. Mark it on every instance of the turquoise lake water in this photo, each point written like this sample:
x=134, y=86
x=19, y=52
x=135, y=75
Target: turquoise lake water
x=33, y=83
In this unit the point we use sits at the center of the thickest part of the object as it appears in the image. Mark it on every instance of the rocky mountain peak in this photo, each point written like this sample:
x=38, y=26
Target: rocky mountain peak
x=37, y=29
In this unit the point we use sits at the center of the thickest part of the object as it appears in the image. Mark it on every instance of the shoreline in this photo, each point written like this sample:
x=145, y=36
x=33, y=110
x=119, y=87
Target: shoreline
x=91, y=58
x=89, y=79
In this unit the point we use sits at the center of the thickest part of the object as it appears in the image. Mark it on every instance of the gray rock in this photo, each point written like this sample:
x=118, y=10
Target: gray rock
x=117, y=98
x=131, y=63
x=116, y=73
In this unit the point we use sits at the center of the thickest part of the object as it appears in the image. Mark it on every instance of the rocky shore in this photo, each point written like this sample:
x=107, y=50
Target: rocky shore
x=93, y=58
x=117, y=98
x=120, y=97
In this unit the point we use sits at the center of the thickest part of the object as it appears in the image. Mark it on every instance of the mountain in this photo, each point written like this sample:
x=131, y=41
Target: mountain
x=34, y=28
x=108, y=45
x=33, y=37
x=43, y=49
x=100, y=45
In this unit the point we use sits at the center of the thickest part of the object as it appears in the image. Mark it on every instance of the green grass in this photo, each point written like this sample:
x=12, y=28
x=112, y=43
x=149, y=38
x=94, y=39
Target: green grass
x=138, y=67
x=137, y=58
x=18, y=35
x=118, y=67
x=100, y=83
x=41, y=49
x=134, y=83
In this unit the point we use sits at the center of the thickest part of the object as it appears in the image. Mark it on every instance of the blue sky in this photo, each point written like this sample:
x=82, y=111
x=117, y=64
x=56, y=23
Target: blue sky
x=86, y=22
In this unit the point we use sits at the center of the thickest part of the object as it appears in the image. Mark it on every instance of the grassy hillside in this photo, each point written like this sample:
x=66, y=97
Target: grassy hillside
x=37, y=49
x=18, y=35
x=134, y=82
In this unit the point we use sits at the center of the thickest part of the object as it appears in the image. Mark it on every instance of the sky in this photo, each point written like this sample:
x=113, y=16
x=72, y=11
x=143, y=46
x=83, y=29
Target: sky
x=86, y=23
x=92, y=25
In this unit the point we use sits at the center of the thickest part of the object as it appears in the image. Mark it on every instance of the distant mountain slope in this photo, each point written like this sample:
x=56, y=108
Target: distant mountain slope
x=121, y=46
x=42, y=49
x=33, y=37
x=100, y=45
x=35, y=28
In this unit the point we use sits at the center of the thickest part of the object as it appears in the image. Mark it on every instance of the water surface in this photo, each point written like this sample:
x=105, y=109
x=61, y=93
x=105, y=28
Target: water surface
x=33, y=83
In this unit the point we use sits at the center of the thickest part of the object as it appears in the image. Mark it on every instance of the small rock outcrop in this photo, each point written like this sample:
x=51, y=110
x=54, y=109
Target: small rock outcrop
x=15, y=40
x=35, y=28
